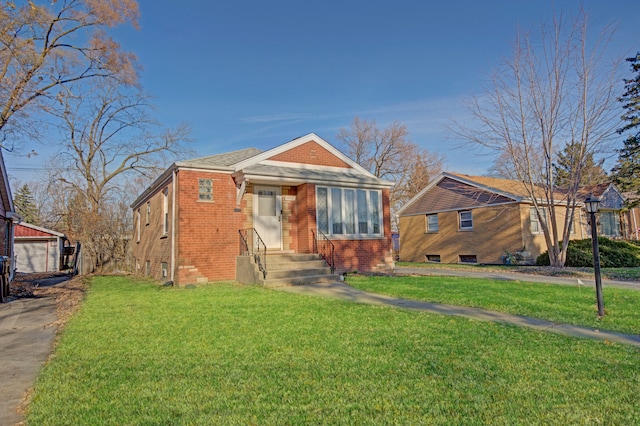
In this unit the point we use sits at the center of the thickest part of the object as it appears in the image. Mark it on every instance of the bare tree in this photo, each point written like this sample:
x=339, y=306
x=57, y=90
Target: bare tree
x=46, y=48
x=110, y=139
x=556, y=90
x=389, y=154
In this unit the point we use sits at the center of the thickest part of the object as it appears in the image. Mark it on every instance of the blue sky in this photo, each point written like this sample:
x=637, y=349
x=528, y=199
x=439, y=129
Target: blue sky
x=257, y=74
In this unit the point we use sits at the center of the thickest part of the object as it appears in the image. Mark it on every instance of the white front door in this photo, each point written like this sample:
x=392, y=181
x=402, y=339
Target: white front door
x=267, y=215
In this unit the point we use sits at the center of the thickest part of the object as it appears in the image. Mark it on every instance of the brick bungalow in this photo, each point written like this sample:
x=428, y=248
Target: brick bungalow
x=193, y=223
x=477, y=219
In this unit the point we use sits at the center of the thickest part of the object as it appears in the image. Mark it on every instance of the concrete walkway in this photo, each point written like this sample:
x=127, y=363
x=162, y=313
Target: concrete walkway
x=516, y=276
x=342, y=291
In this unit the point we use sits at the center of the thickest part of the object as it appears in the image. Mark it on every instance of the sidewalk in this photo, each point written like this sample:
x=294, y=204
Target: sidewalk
x=342, y=291
x=515, y=276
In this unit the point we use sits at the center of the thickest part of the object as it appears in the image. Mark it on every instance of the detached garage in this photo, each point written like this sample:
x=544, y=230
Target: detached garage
x=37, y=249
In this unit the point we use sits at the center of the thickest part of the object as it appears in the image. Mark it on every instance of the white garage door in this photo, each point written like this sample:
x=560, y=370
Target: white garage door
x=31, y=256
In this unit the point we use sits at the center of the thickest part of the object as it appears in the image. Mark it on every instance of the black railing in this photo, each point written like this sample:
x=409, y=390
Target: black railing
x=252, y=245
x=325, y=248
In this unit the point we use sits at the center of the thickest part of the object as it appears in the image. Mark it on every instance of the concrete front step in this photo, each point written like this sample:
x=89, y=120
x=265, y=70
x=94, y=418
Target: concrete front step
x=292, y=273
x=275, y=265
x=285, y=269
x=291, y=257
x=300, y=280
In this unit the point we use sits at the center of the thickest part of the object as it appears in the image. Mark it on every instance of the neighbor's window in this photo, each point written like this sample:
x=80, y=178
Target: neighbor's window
x=609, y=224
x=344, y=211
x=148, y=212
x=138, y=225
x=466, y=221
x=432, y=223
x=536, y=227
x=165, y=269
x=433, y=258
x=165, y=207
x=205, y=190
x=468, y=258
x=147, y=267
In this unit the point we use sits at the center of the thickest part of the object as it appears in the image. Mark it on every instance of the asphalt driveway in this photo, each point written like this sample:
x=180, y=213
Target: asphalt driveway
x=27, y=332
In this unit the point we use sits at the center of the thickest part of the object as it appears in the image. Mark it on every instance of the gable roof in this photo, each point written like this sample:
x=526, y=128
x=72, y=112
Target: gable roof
x=449, y=192
x=254, y=164
x=455, y=191
x=27, y=230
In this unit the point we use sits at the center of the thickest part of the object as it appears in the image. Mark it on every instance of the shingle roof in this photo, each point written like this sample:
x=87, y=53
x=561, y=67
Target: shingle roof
x=512, y=187
x=450, y=194
x=225, y=160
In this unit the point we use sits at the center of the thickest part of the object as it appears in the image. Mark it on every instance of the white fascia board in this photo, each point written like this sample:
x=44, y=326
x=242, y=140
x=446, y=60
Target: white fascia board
x=258, y=179
x=461, y=209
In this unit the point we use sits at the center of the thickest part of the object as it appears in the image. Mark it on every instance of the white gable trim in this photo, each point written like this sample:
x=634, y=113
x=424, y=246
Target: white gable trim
x=311, y=137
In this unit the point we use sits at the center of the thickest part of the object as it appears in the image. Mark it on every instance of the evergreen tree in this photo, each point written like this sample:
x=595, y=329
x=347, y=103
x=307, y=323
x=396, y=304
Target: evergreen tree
x=627, y=172
x=25, y=205
x=591, y=172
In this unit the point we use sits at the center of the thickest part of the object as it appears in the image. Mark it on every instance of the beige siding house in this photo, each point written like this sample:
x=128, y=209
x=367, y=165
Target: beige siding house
x=477, y=219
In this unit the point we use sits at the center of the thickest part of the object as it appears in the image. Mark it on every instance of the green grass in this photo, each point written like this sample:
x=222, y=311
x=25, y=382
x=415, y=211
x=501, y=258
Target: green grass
x=559, y=303
x=225, y=354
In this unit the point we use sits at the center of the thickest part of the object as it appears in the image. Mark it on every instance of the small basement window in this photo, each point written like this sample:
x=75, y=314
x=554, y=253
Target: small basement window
x=468, y=258
x=433, y=258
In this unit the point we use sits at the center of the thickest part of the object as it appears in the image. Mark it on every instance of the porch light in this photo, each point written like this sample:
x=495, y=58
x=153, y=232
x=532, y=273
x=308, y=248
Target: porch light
x=591, y=204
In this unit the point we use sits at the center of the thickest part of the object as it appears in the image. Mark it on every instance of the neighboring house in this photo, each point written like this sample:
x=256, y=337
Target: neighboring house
x=7, y=217
x=38, y=249
x=475, y=219
x=188, y=223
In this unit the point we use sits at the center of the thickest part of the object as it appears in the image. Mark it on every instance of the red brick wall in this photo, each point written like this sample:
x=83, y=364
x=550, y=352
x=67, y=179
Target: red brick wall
x=154, y=245
x=208, y=230
x=310, y=153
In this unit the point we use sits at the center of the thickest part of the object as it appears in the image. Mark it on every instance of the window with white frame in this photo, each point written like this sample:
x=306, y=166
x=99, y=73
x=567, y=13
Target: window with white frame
x=347, y=211
x=465, y=220
x=432, y=223
x=536, y=226
x=165, y=207
x=148, y=212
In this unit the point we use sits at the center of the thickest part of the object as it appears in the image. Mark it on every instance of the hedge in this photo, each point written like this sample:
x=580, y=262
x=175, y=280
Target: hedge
x=613, y=254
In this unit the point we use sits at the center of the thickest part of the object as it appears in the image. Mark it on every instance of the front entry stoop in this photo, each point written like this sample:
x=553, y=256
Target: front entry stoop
x=285, y=269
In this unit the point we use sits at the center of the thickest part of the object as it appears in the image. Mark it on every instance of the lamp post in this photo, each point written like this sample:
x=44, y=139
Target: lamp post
x=591, y=204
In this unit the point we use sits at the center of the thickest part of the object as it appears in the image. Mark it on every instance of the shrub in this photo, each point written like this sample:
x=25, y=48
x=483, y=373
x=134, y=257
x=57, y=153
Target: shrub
x=613, y=254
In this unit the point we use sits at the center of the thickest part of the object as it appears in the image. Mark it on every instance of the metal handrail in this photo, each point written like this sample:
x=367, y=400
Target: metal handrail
x=251, y=244
x=325, y=248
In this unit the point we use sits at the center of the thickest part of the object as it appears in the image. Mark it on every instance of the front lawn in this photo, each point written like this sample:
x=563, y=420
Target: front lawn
x=227, y=354
x=559, y=303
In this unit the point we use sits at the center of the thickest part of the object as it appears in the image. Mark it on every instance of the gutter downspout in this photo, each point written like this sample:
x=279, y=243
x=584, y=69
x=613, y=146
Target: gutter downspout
x=173, y=227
